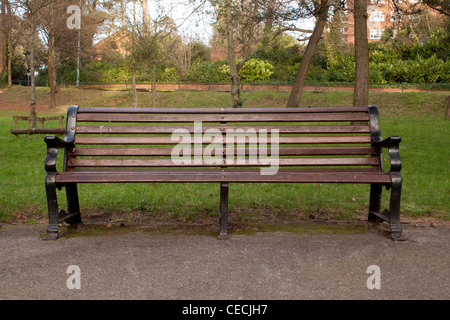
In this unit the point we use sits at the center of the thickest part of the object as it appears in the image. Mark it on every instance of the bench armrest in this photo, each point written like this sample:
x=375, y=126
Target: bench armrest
x=392, y=141
x=393, y=145
x=53, y=144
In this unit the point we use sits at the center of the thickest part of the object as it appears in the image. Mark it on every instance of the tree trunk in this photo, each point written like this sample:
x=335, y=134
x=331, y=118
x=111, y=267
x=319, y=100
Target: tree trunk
x=133, y=86
x=269, y=21
x=234, y=72
x=361, y=90
x=9, y=47
x=52, y=63
x=123, y=35
x=154, y=75
x=297, y=88
x=33, y=83
x=9, y=59
x=122, y=11
x=3, y=45
x=133, y=59
x=147, y=20
x=153, y=82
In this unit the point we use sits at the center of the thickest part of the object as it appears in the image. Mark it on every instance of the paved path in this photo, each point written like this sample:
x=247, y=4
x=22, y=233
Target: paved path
x=139, y=264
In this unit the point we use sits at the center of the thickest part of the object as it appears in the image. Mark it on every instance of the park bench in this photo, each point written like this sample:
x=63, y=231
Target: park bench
x=205, y=145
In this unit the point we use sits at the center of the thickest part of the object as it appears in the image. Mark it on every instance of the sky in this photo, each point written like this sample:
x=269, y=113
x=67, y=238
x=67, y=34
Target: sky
x=192, y=24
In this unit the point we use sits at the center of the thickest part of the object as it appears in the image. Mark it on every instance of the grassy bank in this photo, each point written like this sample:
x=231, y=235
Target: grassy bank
x=417, y=117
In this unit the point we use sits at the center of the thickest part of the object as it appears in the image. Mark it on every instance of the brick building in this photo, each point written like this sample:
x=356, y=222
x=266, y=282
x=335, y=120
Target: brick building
x=382, y=14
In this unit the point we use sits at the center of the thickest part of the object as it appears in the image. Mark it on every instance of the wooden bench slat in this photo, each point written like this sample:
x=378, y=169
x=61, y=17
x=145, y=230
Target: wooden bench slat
x=257, y=117
x=236, y=162
x=226, y=176
x=89, y=140
x=222, y=110
x=205, y=170
x=190, y=129
x=283, y=151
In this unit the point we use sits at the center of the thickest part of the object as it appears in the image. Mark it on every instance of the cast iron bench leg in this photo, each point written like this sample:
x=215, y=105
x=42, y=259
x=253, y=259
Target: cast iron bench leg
x=53, y=212
x=394, y=208
x=223, y=211
x=73, y=205
x=375, y=202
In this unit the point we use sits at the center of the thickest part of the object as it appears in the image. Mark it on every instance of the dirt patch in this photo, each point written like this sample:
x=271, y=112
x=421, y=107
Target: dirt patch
x=4, y=105
x=99, y=222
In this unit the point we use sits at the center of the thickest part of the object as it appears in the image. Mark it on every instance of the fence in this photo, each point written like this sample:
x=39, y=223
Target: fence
x=41, y=130
x=278, y=87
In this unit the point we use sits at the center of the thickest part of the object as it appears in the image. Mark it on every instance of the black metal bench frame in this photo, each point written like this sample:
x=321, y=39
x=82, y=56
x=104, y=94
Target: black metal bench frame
x=377, y=177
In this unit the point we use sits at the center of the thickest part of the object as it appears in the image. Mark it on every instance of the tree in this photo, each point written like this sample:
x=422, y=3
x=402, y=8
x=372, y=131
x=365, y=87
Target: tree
x=247, y=17
x=441, y=6
x=11, y=28
x=361, y=89
x=64, y=44
x=31, y=9
x=133, y=58
x=245, y=23
x=51, y=19
x=320, y=11
x=148, y=27
x=150, y=47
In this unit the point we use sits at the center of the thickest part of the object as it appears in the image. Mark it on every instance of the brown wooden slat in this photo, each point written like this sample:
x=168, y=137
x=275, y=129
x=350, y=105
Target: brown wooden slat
x=170, y=163
x=257, y=117
x=121, y=152
x=221, y=110
x=190, y=129
x=207, y=170
x=227, y=176
x=282, y=151
x=168, y=141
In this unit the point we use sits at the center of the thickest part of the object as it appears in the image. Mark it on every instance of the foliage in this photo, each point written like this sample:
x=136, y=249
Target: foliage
x=253, y=70
x=99, y=71
x=170, y=75
x=256, y=70
x=397, y=60
x=206, y=72
x=283, y=50
x=394, y=61
x=425, y=62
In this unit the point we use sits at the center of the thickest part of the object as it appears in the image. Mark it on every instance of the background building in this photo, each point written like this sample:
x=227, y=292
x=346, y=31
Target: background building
x=381, y=15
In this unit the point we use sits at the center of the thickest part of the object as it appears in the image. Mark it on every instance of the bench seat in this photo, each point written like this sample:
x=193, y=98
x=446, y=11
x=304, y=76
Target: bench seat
x=222, y=175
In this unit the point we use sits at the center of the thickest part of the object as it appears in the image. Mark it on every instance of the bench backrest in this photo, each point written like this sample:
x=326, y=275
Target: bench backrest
x=178, y=137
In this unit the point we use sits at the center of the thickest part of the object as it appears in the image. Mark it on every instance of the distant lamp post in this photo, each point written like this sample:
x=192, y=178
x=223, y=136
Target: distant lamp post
x=78, y=58
x=28, y=75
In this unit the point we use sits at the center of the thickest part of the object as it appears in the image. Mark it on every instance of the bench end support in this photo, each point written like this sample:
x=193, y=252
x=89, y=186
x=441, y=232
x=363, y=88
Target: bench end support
x=223, y=235
x=52, y=233
x=394, y=208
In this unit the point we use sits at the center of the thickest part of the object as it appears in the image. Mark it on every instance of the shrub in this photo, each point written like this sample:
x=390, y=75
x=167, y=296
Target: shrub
x=205, y=72
x=169, y=74
x=256, y=70
x=253, y=70
x=429, y=70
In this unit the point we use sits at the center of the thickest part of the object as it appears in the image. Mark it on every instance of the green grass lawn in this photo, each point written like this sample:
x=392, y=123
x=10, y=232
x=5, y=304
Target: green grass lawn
x=417, y=117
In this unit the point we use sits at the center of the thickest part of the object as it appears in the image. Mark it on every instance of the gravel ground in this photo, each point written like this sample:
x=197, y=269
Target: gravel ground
x=143, y=263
